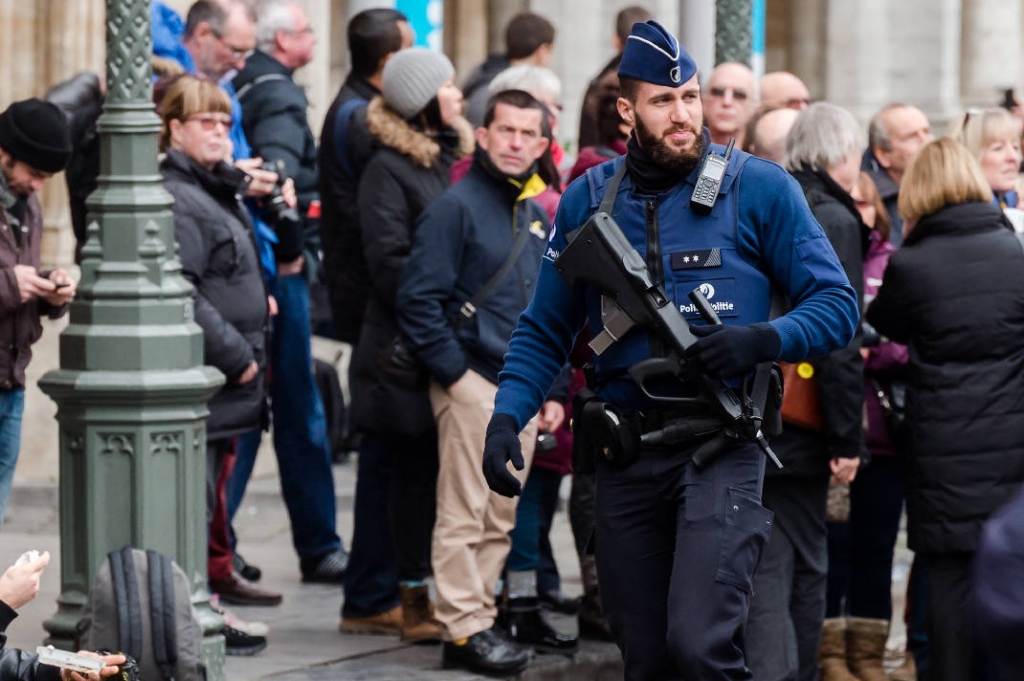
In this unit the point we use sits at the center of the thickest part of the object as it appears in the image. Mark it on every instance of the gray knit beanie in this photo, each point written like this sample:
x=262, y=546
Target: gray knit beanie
x=412, y=78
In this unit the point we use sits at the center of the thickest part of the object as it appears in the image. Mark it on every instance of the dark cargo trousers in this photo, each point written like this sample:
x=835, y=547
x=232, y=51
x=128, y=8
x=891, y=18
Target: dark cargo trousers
x=677, y=547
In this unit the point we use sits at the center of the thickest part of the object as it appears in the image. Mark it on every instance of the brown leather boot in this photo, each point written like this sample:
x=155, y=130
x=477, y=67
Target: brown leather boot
x=906, y=671
x=865, y=647
x=592, y=624
x=832, y=653
x=418, y=623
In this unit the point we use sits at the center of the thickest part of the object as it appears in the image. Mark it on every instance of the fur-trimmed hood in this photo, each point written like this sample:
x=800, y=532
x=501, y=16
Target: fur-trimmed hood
x=390, y=130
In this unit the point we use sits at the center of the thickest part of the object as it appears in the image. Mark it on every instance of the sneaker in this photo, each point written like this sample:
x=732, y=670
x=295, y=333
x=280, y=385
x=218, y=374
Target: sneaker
x=328, y=568
x=385, y=623
x=247, y=570
x=487, y=652
x=235, y=622
x=240, y=644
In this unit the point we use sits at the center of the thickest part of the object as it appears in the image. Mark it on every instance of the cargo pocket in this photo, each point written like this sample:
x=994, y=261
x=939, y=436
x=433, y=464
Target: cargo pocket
x=746, y=528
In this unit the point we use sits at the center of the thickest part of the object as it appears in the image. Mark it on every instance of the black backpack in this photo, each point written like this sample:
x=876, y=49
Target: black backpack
x=155, y=624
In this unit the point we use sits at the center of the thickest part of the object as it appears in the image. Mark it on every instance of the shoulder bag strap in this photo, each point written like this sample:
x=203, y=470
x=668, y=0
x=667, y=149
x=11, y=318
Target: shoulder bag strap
x=247, y=88
x=468, y=309
x=162, y=613
x=342, y=120
x=611, y=190
x=126, y=594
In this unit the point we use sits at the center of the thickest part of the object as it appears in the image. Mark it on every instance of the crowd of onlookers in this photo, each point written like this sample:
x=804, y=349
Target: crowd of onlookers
x=422, y=213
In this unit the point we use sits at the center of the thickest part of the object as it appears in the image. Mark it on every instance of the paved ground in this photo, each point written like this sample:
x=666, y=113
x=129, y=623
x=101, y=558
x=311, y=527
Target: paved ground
x=304, y=640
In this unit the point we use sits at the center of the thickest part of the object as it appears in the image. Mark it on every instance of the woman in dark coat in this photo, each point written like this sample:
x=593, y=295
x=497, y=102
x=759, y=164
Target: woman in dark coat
x=217, y=249
x=954, y=293
x=419, y=132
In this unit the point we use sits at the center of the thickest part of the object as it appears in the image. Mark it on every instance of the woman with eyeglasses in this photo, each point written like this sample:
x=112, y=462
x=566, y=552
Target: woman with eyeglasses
x=993, y=138
x=954, y=294
x=217, y=249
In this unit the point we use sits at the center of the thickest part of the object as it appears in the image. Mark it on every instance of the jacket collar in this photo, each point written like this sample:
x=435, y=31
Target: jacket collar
x=362, y=87
x=260, y=64
x=516, y=188
x=392, y=131
x=959, y=219
x=224, y=182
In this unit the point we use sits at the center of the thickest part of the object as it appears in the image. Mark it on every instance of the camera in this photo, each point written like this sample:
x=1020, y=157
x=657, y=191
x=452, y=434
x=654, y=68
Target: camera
x=275, y=210
x=546, y=442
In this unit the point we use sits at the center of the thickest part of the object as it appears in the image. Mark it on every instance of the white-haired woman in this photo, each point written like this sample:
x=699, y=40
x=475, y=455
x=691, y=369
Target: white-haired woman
x=823, y=153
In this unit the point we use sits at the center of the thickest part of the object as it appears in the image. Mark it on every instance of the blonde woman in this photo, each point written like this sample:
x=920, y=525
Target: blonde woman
x=954, y=293
x=993, y=138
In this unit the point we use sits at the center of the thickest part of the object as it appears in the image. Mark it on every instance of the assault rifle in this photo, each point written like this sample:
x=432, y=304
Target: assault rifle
x=599, y=254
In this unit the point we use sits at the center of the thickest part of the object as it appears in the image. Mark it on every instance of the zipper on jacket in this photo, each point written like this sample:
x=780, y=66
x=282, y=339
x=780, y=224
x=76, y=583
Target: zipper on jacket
x=654, y=266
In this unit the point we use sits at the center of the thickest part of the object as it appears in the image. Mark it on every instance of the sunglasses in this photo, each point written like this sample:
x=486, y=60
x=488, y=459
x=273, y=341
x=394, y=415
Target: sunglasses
x=719, y=92
x=209, y=122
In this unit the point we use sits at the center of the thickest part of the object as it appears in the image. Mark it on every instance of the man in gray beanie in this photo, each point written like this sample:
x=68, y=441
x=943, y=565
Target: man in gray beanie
x=34, y=144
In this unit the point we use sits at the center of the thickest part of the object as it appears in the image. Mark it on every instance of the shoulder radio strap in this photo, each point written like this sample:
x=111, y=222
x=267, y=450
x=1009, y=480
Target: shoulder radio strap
x=611, y=190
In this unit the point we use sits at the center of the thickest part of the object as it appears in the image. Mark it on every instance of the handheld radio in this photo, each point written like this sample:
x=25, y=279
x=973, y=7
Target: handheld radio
x=710, y=180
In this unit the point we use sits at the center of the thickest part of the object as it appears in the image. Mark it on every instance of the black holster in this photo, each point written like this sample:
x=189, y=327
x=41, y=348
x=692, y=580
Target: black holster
x=601, y=431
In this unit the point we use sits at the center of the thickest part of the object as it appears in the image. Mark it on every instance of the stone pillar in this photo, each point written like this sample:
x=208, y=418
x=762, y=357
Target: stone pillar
x=858, y=59
x=924, y=56
x=465, y=34
x=808, y=27
x=990, y=50
x=132, y=389
x=697, y=34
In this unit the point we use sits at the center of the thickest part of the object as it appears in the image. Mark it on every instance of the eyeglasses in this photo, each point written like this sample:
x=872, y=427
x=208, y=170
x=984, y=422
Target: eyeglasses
x=209, y=122
x=236, y=53
x=737, y=94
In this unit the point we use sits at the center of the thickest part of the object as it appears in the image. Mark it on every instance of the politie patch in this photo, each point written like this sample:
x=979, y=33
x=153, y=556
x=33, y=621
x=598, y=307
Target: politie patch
x=721, y=293
x=552, y=250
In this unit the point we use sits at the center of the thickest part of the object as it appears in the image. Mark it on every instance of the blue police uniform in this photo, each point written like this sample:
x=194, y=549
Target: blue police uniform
x=677, y=545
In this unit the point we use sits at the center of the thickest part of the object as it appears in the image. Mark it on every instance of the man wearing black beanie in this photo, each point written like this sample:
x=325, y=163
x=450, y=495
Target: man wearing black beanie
x=34, y=144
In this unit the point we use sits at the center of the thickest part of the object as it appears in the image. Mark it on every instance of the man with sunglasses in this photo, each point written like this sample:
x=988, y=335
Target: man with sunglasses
x=729, y=102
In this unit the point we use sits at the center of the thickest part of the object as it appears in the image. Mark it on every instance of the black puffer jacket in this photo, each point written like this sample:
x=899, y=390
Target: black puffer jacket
x=954, y=293
x=407, y=172
x=18, y=665
x=344, y=267
x=839, y=376
x=274, y=119
x=218, y=256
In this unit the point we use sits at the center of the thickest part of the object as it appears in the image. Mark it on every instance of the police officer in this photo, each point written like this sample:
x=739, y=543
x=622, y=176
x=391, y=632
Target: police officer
x=677, y=544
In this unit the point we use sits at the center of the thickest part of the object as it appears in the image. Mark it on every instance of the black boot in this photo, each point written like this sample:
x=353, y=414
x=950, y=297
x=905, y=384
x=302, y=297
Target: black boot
x=526, y=624
x=592, y=624
x=487, y=652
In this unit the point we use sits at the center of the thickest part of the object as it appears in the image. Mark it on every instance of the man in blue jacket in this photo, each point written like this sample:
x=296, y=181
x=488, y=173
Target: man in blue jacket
x=459, y=330
x=677, y=544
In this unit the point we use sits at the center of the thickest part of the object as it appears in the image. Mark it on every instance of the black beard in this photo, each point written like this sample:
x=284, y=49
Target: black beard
x=663, y=155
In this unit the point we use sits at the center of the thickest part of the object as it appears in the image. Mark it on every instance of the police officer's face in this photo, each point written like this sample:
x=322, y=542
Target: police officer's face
x=668, y=121
x=513, y=141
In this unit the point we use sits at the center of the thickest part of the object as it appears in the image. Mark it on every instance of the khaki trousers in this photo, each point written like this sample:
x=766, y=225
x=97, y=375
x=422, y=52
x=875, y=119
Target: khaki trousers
x=471, y=540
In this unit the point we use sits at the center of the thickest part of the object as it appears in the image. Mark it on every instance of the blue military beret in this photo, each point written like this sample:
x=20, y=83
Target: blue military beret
x=653, y=55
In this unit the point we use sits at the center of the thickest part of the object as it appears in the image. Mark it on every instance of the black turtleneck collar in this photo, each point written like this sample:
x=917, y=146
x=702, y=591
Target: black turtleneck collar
x=649, y=177
x=514, y=183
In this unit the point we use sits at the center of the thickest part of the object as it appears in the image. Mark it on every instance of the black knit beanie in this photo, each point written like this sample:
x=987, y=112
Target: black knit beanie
x=36, y=133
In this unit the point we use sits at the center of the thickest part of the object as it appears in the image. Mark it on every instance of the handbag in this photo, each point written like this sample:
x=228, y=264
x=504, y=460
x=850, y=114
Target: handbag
x=894, y=405
x=396, y=360
x=800, y=405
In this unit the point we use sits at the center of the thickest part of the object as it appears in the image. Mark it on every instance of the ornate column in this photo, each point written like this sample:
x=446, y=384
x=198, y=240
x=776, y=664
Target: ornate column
x=132, y=389
x=734, y=30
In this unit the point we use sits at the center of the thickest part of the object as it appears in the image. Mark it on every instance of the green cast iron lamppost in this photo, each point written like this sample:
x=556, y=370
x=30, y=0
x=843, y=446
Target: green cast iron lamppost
x=734, y=31
x=131, y=389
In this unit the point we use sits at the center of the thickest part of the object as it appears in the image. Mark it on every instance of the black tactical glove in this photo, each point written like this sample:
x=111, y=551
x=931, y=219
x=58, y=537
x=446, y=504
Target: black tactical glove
x=730, y=351
x=501, y=446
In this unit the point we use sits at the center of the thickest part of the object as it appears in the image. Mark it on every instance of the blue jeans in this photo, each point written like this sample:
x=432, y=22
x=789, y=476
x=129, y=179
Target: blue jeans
x=531, y=544
x=12, y=404
x=300, y=429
